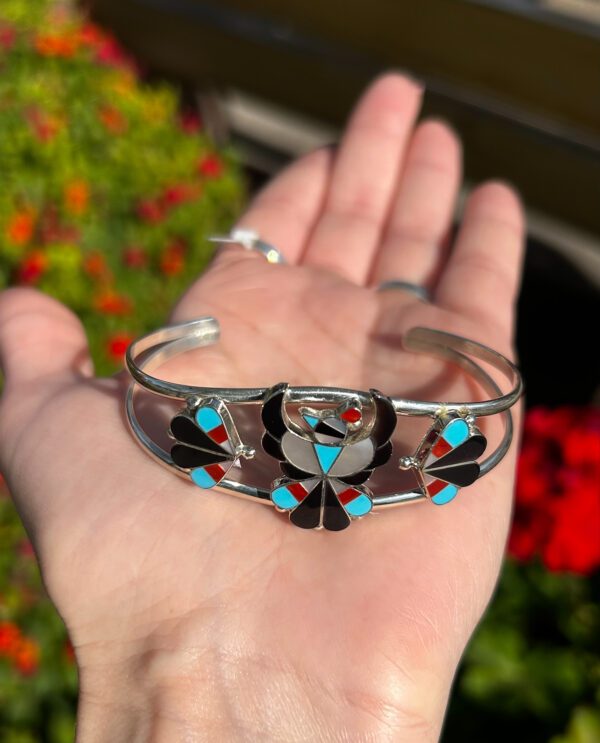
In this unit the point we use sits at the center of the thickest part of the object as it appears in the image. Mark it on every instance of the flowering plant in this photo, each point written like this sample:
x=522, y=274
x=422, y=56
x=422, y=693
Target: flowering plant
x=108, y=189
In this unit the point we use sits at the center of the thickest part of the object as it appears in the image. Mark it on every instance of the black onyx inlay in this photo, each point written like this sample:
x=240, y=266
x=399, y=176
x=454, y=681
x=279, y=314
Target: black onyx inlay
x=468, y=451
x=358, y=478
x=385, y=419
x=335, y=517
x=272, y=447
x=185, y=456
x=459, y=474
x=308, y=514
x=382, y=455
x=294, y=473
x=324, y=428
x=271, y=414
x=184, y=429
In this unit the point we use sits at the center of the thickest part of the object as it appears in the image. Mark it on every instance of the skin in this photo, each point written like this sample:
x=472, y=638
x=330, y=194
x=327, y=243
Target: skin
x=200, y=616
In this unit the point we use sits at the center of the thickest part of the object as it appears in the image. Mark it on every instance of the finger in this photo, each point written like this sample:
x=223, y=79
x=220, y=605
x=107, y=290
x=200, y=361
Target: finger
x=363, y=178
x=39, y=338
x=413, y=244
x=283, y=214
x=285, y=211
x=482, y=276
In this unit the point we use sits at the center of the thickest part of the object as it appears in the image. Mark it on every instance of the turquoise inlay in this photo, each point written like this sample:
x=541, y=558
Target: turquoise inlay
x=456, y=432
x=311, y=420
x=445, y=495
x=359, y=506
x=208, y=418
x=282, y=498
x=327, y=455
x=201, y=477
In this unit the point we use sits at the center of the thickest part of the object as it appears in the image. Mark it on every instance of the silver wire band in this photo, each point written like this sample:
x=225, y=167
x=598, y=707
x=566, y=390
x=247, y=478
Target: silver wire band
x=250, y=240
x=419, y=291
x=165, y=343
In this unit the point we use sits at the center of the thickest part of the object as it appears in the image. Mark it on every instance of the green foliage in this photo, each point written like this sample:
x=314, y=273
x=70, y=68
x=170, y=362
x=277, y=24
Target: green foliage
x=108, y=193
x=533, y=662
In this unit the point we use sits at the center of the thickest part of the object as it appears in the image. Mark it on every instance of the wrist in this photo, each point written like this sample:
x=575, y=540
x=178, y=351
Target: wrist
x=157, y=697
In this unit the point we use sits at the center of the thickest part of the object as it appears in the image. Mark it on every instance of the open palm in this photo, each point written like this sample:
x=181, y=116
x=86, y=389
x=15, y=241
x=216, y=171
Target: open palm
x=199, y=616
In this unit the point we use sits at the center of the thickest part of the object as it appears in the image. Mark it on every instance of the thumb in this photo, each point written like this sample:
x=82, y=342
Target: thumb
x=39, y=337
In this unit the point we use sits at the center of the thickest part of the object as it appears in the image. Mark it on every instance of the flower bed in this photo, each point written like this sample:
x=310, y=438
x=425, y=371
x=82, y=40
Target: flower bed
x=108, y=189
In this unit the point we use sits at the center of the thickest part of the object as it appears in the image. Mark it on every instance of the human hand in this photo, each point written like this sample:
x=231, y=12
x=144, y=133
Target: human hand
x=199, y=616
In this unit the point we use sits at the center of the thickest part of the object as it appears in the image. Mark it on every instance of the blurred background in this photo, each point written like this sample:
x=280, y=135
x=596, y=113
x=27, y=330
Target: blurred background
x=131, y=129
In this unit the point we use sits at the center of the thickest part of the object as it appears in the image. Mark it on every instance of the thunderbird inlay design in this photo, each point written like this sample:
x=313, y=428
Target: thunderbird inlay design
x=326, y=458
x=445, y=460
x=207, y=442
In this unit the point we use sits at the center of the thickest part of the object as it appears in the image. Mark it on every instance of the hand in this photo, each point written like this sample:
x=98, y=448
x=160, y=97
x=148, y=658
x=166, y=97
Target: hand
x=196, y=615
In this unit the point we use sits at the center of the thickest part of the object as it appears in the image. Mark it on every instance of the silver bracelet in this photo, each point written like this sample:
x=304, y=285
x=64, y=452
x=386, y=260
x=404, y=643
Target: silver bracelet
x=329, y=441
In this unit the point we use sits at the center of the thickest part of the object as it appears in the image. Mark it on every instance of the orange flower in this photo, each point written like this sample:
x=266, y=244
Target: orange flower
x=19, y=230
x=117, y=345
x=113, y=119
x=95, y=265
x=57, y=45
x=77, y=196
x=27, y=656
x=172, y=260
x=32, y=267
x=110, y=302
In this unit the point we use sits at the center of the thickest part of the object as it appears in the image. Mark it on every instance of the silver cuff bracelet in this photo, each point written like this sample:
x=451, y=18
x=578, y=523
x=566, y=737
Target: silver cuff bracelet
x=328, y=441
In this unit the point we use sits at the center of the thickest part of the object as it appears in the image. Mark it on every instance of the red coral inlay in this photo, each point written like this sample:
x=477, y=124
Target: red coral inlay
x=442, y=447
x=298, y=491
x=352, y=415
x=215, y=471
x=435, y=487
x=347, y=495
x=218, y=434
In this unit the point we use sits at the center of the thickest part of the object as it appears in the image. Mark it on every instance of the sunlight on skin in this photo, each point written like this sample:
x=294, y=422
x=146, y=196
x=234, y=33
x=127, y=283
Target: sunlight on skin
x=199, y=616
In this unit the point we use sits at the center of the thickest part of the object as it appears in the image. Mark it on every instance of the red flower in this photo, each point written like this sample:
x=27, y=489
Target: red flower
x=10, y=637
x=172, y=260
x=91, y=35
x=109, y=302
x=110, y=53
x=32, y=267
x=7, y=37
x=69, y=652
x=210, y=166
x=117, y=345
x=178, y=193
x=557, y=514
x=45, y=126
x=190, y=123
x=135, y=257
x=151, y=211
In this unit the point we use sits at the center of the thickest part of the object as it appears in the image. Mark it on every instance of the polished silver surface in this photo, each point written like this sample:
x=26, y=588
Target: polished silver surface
x=153, y=349
x=419, y=291
x=250, y=240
